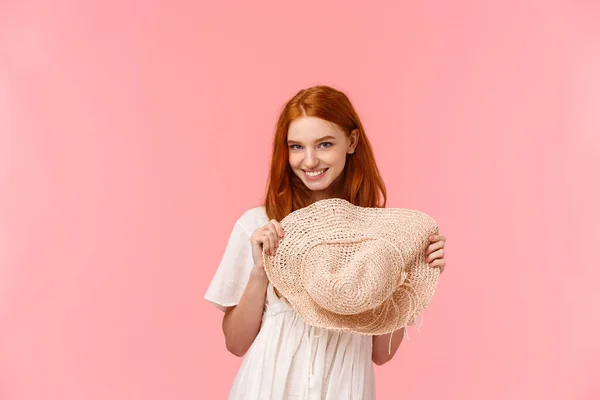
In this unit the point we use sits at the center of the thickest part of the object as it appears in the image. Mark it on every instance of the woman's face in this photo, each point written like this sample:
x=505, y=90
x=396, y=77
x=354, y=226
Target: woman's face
x=317, y=154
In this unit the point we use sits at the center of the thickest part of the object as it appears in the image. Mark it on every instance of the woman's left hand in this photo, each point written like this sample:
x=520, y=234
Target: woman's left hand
x=435, y=252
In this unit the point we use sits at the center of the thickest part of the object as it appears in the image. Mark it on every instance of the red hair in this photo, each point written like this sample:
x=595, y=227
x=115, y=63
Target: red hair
x=362, y=184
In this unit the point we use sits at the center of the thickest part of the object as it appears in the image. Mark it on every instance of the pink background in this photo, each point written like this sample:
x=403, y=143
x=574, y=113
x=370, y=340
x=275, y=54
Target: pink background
x=134, y=133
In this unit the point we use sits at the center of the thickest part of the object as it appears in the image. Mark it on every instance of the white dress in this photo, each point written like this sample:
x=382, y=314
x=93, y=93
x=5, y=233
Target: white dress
x=288, y=359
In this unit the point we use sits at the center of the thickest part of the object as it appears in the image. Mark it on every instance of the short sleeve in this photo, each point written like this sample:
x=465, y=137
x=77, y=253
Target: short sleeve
x=231, y=278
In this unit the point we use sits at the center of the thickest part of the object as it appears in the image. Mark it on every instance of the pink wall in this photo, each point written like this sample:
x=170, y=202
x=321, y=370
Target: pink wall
x=134, y=133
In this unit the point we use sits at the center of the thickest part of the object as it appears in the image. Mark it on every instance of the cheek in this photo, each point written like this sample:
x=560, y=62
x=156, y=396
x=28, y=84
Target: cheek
x=294, y=161
x=337, y=159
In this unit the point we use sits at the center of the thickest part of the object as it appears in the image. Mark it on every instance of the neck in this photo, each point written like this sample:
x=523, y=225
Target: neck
x=334, y=190
x=322, y=196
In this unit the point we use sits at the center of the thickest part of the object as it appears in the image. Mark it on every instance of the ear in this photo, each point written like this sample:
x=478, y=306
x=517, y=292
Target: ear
x=354, y=135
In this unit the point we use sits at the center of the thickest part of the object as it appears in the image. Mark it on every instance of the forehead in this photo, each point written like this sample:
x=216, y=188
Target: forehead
x=312, y=128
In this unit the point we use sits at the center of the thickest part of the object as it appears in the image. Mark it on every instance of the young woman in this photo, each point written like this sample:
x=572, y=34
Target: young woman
x=320, y=151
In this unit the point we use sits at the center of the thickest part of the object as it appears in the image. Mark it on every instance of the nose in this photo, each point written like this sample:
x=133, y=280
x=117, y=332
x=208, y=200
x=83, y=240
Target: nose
x=310, y=159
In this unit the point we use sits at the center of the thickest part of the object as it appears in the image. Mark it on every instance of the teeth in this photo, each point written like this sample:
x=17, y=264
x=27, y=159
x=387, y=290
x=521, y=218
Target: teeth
x=315, y=173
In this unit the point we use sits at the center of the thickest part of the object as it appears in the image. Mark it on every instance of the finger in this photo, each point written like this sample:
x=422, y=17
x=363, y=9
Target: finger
x=277, y=226
x=273, y=234
x=274, y=241
x=428, y=250
x=442, y=265
x=435, y=238
x=438, y=264
x=433, y=247
x=266, y=240
x=435, y=255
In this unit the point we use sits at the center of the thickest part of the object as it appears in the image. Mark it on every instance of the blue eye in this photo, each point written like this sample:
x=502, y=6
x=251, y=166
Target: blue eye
x=299, y=147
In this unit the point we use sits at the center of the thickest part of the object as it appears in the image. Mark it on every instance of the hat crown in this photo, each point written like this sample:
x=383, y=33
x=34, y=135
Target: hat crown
x=352, y=275
x=336, y=262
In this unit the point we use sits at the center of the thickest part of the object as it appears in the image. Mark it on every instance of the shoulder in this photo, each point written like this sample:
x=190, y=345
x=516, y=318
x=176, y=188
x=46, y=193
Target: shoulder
x=253, y=219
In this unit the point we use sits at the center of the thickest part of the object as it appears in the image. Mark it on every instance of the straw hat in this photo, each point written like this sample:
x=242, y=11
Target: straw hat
x=357, y=269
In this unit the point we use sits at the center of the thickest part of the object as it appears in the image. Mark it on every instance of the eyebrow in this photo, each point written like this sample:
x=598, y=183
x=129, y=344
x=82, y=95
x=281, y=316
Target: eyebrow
x=318, y=140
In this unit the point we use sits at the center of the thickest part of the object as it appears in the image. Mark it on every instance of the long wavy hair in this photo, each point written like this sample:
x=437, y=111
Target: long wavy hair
x=362, y=184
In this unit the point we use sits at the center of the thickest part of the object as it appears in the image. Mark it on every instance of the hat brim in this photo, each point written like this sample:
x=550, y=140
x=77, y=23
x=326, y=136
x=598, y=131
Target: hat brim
x=337, y=219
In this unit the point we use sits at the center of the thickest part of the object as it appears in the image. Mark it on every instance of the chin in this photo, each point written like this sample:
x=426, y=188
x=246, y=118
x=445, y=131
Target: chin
x=319, y=185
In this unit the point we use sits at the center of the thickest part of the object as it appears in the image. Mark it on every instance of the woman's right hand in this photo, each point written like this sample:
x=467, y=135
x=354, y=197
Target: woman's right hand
x=265, y=238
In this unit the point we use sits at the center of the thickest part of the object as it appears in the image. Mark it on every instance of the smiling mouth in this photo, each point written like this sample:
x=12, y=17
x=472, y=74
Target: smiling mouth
x=313, y=174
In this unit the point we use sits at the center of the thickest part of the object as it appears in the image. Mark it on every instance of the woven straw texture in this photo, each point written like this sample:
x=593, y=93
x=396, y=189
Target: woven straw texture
x=356, y=269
